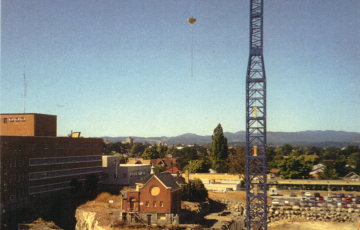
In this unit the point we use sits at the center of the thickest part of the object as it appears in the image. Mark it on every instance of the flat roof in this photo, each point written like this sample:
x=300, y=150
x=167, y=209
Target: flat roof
x=26, y=114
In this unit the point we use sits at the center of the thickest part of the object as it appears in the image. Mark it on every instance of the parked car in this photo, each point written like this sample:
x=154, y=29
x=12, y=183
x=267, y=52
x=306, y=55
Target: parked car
x=347, y=199
x=312, y=199
x=286, y=203
x=308, y=194
x=350, y=195
x=292, y=194
x=275, y=202
x=333, y=195
x=329, y=199
x=321, y=199
x=338, y=199
x=316, y=194
x=342, y=195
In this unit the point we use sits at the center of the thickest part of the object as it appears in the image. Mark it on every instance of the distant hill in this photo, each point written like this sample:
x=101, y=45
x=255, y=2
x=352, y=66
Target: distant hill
x=306, y=138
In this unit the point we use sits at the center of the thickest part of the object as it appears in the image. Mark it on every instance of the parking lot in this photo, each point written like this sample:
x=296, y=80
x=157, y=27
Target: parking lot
x=310, y=200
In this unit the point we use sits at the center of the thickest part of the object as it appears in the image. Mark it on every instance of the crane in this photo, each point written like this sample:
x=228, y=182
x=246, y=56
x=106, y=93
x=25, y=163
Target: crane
x=256, y=197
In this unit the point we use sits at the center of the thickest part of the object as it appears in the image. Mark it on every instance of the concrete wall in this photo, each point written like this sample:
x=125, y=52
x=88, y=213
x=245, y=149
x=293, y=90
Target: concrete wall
x=122, y=174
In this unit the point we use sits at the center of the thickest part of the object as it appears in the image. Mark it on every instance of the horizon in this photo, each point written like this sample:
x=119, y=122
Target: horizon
x=229, y=132
x=123, y=68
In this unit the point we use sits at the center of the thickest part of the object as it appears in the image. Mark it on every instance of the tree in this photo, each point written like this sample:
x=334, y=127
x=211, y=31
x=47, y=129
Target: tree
x=236, y=161
x=160, y=168
x=161, y=150
x=198, y=166
x=123, y=160
x=294, y=168
x=354, y=160
x=150, y=153
x=137, y=148
x=310, y=160
x=188, y=154
x=287, y=149
x=198, y=192
x=219, y=149
x=329, y=172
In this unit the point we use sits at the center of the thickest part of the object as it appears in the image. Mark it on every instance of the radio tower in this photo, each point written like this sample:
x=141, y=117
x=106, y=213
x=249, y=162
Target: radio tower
x=256, y=200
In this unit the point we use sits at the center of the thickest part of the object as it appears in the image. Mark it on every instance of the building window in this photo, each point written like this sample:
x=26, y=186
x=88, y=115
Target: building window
x=161, y=204
x=5, y=120
x=22, y=119
x=15, y=147
x=10, y=177
x=10, y=162
x=5, y=186
x=17, y=119
x=15, y=162
x=10, y=148
x=106, y=176
x=147, y=204
x=11, y=119
x=5, y=170
x=124, y=175
x=46, y=147
x=154, y=204
x=115, y=176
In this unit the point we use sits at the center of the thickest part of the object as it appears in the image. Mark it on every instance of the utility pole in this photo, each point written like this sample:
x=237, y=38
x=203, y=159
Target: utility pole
x=256, y=199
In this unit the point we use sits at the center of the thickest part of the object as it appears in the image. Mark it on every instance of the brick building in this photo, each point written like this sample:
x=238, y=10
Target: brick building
x=156, y=200
x=36, y=165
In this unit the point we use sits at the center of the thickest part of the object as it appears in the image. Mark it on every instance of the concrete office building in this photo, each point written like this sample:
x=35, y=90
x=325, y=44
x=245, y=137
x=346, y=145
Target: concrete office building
x=36, y=165
x=115, y=173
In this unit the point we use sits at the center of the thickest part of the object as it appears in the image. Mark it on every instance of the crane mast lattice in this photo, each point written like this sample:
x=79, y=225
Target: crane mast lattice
x=256, y=200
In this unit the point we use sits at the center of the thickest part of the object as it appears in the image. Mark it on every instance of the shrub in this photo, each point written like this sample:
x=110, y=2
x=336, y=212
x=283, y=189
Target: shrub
x=103, y=197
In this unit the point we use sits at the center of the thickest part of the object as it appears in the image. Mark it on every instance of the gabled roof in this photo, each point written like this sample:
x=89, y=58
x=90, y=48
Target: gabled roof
x=352, y=175
x=173, y=170
x=165, y=178
x=168, y=180
x=275, y=171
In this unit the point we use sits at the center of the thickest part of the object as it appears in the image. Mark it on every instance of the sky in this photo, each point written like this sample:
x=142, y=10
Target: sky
x=123, y=68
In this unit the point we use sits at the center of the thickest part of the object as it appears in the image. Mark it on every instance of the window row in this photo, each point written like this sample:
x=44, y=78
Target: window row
x=139, y=173
x=154, y=204
x=13, y=177
x=15, y=162
x=89, y=146
x=62, y=173
x=16, y=119
x=63, y=160
x=13, y=192
x=49, y=187
x=17, y=148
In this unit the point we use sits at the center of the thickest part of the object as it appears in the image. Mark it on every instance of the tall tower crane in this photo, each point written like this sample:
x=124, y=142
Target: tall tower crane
x=256, y=199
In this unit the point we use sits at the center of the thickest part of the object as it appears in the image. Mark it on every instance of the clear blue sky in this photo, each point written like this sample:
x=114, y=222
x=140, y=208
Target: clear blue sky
x=123, y=68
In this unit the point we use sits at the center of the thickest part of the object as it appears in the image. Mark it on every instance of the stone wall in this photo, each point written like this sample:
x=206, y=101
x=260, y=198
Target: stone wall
x=328, y=214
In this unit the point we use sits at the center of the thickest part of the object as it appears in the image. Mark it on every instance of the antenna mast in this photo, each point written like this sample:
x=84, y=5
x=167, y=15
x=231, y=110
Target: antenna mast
x=25, y=88
x=192, y=21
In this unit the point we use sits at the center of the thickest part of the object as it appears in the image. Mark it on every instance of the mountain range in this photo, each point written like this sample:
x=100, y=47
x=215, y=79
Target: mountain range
x=305, y=138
